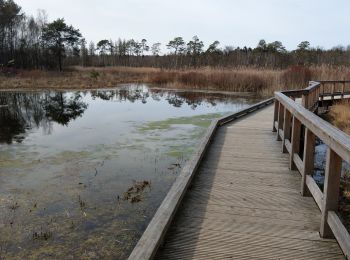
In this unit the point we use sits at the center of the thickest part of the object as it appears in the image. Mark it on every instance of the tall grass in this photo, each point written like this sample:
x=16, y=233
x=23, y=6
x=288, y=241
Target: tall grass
x=339, y=116
x=239, y=79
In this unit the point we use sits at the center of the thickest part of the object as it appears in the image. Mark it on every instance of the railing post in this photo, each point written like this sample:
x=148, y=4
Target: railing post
x=322, y=86
x=280, y=120
x=342, y=90
x=304, y=100
x=308, y=160
x=275, y=116
x=330, y=190
x=332, y=91
x=286, y=129
x=295, y=142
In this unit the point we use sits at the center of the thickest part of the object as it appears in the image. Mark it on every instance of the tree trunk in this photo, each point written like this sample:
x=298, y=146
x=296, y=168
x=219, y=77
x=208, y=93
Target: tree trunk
x=59, y=60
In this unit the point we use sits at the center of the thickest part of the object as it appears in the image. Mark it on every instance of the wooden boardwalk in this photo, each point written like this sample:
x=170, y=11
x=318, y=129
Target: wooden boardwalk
x=244, y=203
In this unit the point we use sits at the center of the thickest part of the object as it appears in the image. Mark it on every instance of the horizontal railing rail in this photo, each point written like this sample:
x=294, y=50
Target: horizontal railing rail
x=290, y=119
x=154, y=234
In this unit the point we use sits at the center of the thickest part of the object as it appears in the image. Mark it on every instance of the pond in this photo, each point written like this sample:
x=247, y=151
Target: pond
x=83, y=172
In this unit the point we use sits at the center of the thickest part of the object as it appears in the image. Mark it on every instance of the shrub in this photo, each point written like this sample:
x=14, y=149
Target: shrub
x=94, y=74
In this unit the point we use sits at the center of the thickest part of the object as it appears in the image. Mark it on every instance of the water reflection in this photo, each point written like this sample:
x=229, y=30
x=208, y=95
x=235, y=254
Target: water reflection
x=20, y=112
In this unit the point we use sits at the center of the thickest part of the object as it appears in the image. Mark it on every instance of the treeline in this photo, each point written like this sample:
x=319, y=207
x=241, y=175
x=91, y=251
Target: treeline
x=28, y=42
x=34, y=43
x=183, y=54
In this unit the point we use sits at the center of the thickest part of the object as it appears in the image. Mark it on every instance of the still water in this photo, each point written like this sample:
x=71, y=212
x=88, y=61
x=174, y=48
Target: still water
x=83, y=172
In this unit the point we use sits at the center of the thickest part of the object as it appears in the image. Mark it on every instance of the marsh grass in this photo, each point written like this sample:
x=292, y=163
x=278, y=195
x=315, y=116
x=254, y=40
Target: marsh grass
x=239, y=79
x=339, y=116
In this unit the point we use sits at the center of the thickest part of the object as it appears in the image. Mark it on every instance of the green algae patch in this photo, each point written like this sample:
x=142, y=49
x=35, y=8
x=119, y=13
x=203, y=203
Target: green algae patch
x=180, y=152
x=18, y=163
x=199, y=121
x=11, y=163
x=69, y=156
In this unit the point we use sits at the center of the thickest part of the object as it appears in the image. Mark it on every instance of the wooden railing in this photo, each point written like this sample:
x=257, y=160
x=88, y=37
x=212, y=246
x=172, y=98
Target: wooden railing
x=310, y=96
x=334, y=88
x=297, y=127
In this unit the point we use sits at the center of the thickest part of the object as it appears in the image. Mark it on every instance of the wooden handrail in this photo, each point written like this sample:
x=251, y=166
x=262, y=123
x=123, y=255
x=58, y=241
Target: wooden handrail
x=313, y=85
x=296, y=116
x=333, y=81
x=330, y=135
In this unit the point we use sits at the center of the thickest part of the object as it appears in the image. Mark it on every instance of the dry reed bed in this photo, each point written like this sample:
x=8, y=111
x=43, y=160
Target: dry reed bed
x=246, y=79
x=339, y=116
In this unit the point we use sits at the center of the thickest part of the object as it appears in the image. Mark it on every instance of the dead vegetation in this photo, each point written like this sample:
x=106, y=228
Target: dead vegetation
x=82, y=203
x=239, y=79
x=42, y=235
x=13, y=206
x=134, y=193
x=339, y=116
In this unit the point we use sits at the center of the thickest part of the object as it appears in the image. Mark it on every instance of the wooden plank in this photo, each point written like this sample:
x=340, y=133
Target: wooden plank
x=275, y=116
x=315, y=191
x=331, y=190
x=288, y=146
x=312, y=86
x=308, y=160
x=296, y=129
x=213, y=222
x=280, y=121
x=281, y=134
x=305, y=101
x=340, y=232
x=286, y=129
x=333, y=81
x=298, y=163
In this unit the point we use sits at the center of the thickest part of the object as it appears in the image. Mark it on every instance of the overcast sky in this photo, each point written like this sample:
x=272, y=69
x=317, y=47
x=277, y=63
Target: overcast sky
x=324, y=23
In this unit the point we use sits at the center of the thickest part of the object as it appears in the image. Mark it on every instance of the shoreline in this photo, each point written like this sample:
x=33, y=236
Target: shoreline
x=149, y=85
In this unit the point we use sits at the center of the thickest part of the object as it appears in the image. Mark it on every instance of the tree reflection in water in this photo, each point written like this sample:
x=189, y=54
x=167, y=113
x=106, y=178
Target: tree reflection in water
x=174, y=98
x=20, y=112
x=62, y=109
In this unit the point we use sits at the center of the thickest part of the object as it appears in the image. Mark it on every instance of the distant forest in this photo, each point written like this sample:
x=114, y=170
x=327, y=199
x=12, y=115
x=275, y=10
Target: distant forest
x=28, y=42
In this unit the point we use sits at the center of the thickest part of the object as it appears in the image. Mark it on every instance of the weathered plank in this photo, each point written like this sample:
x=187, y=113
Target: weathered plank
x=339, y=232
x=308, y=160
x=315, y=191
x=331, y=190
x=244, y=203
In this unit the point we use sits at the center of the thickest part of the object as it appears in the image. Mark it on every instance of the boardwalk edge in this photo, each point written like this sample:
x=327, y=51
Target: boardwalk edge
x=154, y=234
